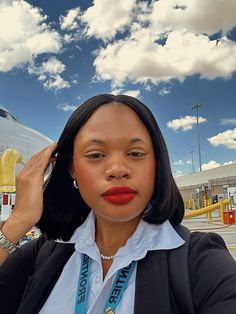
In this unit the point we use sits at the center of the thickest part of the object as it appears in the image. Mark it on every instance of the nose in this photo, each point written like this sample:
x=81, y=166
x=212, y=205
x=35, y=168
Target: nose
x=117, y=170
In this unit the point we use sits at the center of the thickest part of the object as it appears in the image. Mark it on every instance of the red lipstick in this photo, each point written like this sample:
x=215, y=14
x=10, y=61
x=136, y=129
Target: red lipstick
x=119, y=195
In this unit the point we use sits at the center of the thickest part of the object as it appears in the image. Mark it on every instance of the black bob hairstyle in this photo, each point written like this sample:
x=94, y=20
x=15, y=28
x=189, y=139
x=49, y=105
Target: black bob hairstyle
x=64, y=208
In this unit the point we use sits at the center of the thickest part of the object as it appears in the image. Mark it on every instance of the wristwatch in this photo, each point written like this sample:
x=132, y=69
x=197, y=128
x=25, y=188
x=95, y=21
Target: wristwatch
x=7, y=244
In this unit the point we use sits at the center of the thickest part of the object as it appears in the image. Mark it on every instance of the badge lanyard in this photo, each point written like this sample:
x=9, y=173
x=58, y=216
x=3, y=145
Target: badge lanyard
x=82, y=287
x=116, y=291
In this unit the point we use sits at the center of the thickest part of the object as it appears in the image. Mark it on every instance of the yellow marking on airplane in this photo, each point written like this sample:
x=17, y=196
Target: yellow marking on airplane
x=231, y=247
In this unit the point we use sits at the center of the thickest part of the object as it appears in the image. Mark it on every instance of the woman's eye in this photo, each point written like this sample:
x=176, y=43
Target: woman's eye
x=136, y=154
x=94, y=156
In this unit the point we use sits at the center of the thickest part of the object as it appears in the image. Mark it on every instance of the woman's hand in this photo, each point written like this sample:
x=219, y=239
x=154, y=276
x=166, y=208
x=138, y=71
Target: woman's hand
x=29, y=195
x=29, y=186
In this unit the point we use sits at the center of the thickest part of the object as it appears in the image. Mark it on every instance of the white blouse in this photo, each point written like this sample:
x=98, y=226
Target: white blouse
x=146, y=237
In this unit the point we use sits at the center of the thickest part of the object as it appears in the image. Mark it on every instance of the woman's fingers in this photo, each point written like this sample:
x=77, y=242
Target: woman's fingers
x=37, y=164
x=42, y=158
x=29, y=185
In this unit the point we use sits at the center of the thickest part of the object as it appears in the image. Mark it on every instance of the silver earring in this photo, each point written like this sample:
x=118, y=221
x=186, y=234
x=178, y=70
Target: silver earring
x=75, y=184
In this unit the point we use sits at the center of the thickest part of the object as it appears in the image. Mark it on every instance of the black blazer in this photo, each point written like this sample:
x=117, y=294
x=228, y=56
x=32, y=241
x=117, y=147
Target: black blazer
x=212, y=273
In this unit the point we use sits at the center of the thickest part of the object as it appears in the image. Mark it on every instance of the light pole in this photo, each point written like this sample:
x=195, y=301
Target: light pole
x=197, y=106
x=192, y=159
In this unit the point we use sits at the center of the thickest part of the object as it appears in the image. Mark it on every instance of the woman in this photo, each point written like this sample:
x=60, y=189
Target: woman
x=108, y=205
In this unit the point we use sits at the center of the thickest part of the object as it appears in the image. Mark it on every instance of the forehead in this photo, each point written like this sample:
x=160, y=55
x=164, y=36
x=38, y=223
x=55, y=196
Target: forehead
x=113, y=120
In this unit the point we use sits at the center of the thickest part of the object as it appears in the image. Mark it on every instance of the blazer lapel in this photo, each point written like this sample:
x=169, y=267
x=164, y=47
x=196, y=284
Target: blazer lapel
x=152, y=288
x=44, y=279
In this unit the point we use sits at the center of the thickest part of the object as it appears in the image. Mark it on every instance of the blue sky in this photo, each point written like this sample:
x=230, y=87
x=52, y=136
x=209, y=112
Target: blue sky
x=170, y=54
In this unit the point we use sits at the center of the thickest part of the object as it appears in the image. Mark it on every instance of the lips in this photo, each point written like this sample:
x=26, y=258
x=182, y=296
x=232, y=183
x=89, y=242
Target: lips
x=119, y=195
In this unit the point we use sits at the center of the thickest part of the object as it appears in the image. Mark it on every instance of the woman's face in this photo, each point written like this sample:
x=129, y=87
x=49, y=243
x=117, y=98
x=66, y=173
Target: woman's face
x=114, y=163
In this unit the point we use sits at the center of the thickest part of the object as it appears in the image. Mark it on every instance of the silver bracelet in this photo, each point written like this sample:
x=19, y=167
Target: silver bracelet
x=7, y=244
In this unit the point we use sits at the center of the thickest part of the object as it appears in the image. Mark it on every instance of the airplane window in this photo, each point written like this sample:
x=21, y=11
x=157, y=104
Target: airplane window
x=11, y=117
x=3, y=113
x=7, y=115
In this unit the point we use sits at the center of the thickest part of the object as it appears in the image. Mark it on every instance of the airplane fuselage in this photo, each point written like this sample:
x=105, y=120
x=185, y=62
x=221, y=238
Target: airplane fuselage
x=14, y=134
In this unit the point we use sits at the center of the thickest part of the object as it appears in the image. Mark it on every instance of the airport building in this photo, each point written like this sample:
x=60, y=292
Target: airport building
x=201, y=188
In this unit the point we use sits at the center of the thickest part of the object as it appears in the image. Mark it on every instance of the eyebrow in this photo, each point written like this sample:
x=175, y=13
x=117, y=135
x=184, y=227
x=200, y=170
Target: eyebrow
x=102, y=142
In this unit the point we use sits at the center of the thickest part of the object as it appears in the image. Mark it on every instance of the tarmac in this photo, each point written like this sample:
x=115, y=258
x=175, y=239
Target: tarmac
x=228, y=232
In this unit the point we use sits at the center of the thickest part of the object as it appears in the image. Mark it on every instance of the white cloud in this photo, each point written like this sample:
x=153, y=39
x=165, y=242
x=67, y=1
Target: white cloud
x=68, y=38
x=66, y=107
x=230, y=162
x=56, y=82
x=179, y=163
x=148, y=87
x=69, y=21
x=53, y=66
x=75, y=81
x=177, y=59
x=164, y=91
x=117, y=91
x=4, y=2
x=210, y=165
x=103, y=20
x=214, y=164
x=49, y=73
x=132, y=92
x=228, y=121
x=160, y=40
x=48, y=41
x=166, y=43
x=226, y=138
x=24, y=34
x=184, y=123
x=209, y=17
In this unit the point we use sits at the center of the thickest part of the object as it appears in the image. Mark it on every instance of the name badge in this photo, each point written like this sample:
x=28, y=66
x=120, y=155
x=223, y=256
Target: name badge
x=108, y=311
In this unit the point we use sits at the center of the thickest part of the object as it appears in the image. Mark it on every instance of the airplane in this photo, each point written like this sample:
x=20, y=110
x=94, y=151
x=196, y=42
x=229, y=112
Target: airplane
x=14, y=134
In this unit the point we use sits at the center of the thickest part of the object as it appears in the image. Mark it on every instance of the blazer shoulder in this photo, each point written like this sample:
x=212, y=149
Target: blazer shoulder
x=212, y=271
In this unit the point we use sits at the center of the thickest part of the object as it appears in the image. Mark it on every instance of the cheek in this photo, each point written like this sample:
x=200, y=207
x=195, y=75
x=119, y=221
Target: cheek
x=149, y=174
x=85, y=176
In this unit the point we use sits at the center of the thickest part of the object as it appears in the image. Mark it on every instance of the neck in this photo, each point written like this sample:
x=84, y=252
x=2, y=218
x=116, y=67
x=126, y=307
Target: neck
x=110, y=236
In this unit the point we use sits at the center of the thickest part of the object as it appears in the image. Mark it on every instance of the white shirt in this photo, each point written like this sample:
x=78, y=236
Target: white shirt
x=145, y=238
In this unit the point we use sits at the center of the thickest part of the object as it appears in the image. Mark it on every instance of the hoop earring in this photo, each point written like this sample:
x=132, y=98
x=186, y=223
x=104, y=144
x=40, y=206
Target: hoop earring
x=75, y=184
